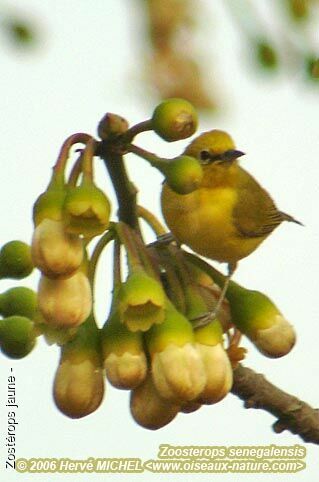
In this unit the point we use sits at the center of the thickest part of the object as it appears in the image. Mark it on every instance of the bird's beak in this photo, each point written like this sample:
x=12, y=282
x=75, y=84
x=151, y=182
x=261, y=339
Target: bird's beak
x=231, y=155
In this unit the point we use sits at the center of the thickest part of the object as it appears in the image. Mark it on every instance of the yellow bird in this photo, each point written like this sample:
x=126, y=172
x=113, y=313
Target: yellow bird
x=230, y=214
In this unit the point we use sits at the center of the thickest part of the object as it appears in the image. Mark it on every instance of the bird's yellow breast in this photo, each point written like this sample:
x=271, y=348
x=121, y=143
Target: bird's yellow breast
x=204, y=221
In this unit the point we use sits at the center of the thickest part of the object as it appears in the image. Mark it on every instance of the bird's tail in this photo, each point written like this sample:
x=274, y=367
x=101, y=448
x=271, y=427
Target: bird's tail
x=287, y=217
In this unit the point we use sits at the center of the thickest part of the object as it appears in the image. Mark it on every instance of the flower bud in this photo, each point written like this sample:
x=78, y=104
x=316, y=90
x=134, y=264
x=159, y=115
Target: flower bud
x=190, y=407
x=219, y=374
x=177, y=368
x=111, y=125
x=55, y=252
x=78, y=385
x=178, y=372
x=124, y=358
x=141, y=301
x=266, y=55
x=65, y=302
x=15, y=260
x=49, y=204
x=150, y=410
x=312, y=67
x=299, y=9
x=17, y=337
x=174, y=119
x=277, y=340
x=183, y=174
x=259, y=319
x=18, y=301
x=86, y=210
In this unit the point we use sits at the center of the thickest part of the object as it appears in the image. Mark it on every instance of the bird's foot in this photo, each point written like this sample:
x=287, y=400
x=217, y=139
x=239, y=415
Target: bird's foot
x=163, y=240
x=204, y=319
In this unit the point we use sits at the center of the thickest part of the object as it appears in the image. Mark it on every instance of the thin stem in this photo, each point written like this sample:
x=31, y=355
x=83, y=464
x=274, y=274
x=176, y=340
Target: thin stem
x=150, y=265
x=154, y=160
x=176, y=290
x=127, y=239
x=151, y=220
x=117, y=272
x=60, y=164
x=103, y=241
x=87, y=160
x=218, y=277
x=133, y=131
x=76, y=171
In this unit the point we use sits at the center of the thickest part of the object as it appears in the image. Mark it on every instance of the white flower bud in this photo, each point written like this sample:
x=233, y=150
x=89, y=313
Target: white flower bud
x=125, y=371
x=178, y=372
x=65, y=302
x=55, y=252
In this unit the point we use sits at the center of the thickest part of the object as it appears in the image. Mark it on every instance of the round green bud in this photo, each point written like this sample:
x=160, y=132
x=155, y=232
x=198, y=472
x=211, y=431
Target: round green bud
x=21, y=33
x=18, y=301
x=312, y=67
x=15, y=260
x=17, y=337
x=266, y=55
x=299, y=9
x=174, y=119
x=111, y=125
x=184, y=174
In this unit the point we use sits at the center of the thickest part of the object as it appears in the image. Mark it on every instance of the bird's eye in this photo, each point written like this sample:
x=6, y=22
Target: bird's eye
x=205, y=156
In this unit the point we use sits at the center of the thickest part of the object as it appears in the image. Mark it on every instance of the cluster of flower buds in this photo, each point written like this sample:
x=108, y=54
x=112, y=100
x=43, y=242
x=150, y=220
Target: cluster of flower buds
x=65, y=216
x=153, y=342
x=151, y=347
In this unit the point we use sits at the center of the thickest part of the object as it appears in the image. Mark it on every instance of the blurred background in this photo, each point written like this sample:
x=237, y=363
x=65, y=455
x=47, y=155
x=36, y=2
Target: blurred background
x=251, y=68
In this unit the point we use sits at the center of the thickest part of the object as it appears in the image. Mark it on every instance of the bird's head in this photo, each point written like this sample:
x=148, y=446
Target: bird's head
x=214, y=148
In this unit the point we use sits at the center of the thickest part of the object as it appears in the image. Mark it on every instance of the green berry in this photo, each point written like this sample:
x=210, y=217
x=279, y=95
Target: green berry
x=312, y=67
x=17, y=337
x=18, y=301
x=184, y=174
x=266, y=55
x=15, y=260
x=174, y=119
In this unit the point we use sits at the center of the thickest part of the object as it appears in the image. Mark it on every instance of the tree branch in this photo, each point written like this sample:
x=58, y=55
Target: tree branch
x=124, y=189
x=292, y=414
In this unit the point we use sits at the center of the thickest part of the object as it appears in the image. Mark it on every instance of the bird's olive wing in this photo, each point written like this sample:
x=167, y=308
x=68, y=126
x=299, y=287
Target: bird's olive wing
x=255, y=214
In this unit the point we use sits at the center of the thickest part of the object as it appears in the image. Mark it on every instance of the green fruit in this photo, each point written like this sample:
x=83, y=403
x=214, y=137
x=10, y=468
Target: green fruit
x=184, y=174
x=18, y=301
x=266, y=55
x=312, y=67
x=15, y=260
x=17, y=337
x=174, y=119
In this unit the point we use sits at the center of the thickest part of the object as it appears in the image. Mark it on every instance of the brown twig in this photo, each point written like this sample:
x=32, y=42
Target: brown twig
x=124, y=189
x=292, y=414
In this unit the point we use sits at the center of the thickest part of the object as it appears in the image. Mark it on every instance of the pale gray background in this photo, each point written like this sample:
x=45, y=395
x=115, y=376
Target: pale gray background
x=65, y=86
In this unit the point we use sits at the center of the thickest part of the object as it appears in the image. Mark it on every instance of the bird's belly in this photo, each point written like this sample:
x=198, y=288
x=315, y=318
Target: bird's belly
x=203, y=220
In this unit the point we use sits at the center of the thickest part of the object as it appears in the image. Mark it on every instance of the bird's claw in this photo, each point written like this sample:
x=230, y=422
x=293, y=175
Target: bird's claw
x=163, y=240
x=204, y=319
